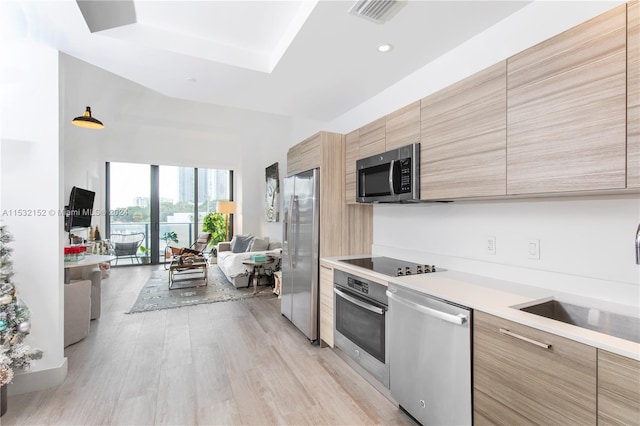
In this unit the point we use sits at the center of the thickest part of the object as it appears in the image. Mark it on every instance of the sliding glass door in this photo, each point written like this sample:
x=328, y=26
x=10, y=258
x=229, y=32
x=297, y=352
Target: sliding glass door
x=129, y=194
x=165, y=204
x=177, y=208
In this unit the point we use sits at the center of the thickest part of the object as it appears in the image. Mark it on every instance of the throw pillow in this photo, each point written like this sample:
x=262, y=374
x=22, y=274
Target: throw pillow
x=259, y=244
x=240, y=243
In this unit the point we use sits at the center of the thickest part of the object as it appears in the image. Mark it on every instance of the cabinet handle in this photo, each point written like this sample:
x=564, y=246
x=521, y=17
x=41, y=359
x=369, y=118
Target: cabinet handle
x=526, y=339
x=326, y=267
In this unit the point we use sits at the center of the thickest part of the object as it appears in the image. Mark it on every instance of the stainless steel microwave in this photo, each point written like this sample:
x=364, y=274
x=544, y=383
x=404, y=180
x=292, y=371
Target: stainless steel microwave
x=390, y=177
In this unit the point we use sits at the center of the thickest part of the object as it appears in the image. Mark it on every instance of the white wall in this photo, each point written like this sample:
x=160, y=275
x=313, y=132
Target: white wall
x=586, y=243
x=142, y=126
x=31, y=184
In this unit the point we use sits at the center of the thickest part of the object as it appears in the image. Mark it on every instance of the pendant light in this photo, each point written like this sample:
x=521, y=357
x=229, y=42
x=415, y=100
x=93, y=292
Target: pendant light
x=87, y=121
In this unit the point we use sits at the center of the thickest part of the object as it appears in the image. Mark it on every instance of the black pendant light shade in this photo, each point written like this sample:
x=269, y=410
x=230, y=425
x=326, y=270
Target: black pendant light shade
x=88, y=121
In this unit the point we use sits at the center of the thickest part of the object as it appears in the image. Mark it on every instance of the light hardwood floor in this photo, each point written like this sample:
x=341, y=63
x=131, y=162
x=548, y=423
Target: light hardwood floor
x=221, y=363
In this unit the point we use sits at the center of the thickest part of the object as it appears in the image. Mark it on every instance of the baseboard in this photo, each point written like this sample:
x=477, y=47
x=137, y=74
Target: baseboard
x=38, y=380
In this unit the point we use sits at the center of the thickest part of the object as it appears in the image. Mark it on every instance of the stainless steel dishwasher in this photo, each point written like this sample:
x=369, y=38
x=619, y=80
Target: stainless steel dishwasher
x=430, y=357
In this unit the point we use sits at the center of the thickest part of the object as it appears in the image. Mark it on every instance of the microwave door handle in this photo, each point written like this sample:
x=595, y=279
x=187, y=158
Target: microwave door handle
x=391, y=167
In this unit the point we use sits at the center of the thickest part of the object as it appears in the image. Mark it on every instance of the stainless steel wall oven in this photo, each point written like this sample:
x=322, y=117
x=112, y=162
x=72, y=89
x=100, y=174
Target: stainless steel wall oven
x=361, y=326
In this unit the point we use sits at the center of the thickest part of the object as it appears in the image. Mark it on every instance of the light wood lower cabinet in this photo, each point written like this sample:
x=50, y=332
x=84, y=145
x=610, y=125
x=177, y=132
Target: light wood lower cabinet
x=618, y=389
x=520, y=381
x=326, y=304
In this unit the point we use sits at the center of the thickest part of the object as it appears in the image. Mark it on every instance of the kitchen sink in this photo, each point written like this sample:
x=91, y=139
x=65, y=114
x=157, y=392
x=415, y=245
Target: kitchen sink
x=622, y=326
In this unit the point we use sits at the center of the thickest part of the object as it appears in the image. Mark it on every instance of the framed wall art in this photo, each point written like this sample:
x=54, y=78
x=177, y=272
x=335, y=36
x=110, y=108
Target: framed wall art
x=272, y=200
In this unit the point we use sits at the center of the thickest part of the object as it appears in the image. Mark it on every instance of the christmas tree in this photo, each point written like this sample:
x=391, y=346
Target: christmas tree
x=14, y=319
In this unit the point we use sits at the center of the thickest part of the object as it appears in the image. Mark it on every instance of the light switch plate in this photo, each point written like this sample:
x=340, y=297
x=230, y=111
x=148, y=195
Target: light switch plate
x=491, y=245
x=534, y=249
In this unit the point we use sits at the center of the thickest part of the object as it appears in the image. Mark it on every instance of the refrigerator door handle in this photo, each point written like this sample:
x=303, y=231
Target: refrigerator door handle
x=289, y=225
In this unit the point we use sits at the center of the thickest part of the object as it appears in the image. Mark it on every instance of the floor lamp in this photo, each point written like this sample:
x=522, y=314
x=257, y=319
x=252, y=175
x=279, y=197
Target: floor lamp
x=227, y=208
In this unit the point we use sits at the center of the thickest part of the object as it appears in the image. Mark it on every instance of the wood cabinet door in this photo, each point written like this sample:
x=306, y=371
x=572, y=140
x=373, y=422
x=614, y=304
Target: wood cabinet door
x=633, y=94
x=463, y=138
x=519, y=382
x=403, y=126
x=352, y=151
x=566, y=109
x=304, y=156
x=372, y=138
x=326, y=304
x=618, y=389
x=331, y=194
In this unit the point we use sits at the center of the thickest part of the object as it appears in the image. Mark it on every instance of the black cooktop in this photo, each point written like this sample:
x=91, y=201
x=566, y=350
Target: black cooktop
x=390, y=266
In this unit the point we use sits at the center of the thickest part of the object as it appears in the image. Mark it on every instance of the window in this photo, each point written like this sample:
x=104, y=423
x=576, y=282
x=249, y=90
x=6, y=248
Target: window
x=174, y=198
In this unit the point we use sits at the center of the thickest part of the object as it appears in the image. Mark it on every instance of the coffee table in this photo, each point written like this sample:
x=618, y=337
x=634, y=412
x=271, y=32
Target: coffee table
x=188, y=265
x=256, y=270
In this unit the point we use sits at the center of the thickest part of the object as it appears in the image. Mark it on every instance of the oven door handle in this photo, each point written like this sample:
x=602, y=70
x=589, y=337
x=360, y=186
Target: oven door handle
x=375, y=309
x=455, y=319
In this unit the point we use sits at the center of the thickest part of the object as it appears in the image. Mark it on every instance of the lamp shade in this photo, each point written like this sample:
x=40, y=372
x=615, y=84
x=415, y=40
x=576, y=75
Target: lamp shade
x=226, y=207
x=87, y=121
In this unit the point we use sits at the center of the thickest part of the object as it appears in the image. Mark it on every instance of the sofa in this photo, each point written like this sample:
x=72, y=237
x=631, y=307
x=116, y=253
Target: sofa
x=231, y=254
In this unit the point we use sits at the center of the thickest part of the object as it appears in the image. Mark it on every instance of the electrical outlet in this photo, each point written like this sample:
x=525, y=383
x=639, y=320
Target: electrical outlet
x=491, y=245
x=534, y=249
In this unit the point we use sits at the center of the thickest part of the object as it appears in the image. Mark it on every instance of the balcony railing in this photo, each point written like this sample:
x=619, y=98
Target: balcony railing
x=183, y=230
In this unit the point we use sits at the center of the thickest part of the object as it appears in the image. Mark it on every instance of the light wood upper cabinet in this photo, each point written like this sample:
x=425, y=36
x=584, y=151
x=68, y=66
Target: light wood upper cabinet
x=518, y=382
x=326, y=151
x=372, y=138
x=463, y=138
x=304, y=156
x=403, y=126
x=618, y=389
x=633, y=94
x=331, y=194
x=326, y=304
x=566, y=109
x=352, y=152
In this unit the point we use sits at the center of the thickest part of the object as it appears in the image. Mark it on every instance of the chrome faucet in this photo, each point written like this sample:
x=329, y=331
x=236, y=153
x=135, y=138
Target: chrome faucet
x=638, y=246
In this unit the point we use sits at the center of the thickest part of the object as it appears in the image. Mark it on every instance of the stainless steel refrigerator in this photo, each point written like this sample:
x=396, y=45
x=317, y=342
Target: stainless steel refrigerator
x=300, y=251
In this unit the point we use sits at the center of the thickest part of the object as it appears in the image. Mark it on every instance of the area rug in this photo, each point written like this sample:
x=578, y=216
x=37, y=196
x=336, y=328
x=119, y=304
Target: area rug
x=155, y=294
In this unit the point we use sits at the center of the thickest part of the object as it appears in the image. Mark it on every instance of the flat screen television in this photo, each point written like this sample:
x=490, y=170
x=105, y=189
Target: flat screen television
x=80, y=209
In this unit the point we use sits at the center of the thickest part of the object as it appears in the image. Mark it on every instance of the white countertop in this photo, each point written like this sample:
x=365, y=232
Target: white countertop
x=90, y=259
x=502, y=299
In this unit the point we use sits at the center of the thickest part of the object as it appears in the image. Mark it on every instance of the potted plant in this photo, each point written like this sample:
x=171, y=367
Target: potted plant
x=216, y=224
x=168, y=237
x=145, y=258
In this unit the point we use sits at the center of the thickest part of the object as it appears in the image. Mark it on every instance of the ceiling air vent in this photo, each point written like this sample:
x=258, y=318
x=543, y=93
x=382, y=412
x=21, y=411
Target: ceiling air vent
x=378, y=11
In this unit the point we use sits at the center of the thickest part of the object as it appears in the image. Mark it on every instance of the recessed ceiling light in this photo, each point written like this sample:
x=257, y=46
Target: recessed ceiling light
x=384, y=48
